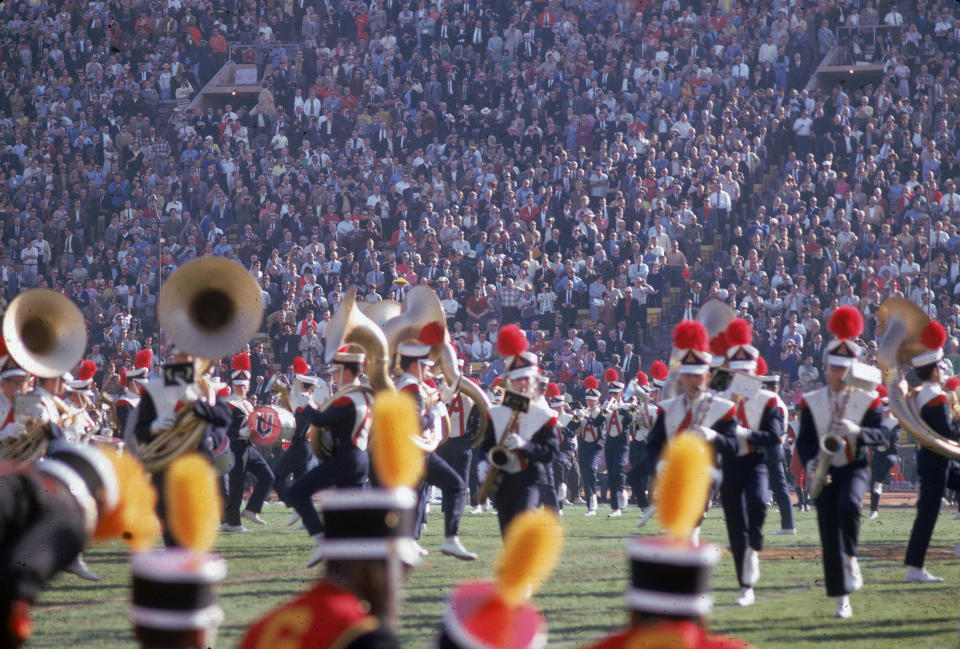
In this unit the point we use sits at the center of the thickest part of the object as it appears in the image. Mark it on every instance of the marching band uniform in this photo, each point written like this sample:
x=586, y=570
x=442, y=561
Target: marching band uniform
x=531, y=441
x=937, y=473
x=567, y=449
x=884, y=457
x=295, y=458
x=246, y=456
x=617, y=437
x=79, y=397
x=860, y=425
x=639, y=476
x=413, y=359
x=156, y=412
x=48, y=512
x=776, y=456
x=589, y=427
x=133, y=382
x=456, y=449
x=743, y=491
x=348, y=420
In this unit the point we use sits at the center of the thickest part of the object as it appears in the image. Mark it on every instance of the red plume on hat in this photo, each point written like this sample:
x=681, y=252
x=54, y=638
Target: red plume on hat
x=87, y=369
x=432, y=334
x=642, y=378
x=300, y=366
x=846, y=322
x=553, y=390
x=143, y=358
x=659, y=371
x=511, y=340
x=690, y=334
x=882, y=389
x=591, y=383
x=241, y=362
x=933, y=336
x=762, y=368
x=497, y=381
x=951, y=385
x=739, y=332
x=611, y=375
x=430, y=383
x=719, y=344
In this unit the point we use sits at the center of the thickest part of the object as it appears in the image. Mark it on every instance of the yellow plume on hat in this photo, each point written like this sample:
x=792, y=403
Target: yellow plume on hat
x=397, y=460
x=193, y=502
x=531, y=549
x=134, y=519
x=683, y=485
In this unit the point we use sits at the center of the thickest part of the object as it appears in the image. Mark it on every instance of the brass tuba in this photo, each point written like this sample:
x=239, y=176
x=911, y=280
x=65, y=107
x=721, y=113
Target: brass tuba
x=45, y=335
x=44, y=332
x=899, y=323
x=209, y=308
x=349, y=326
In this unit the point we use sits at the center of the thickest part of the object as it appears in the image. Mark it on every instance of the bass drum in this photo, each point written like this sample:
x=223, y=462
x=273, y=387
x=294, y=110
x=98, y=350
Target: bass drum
x=270, y=424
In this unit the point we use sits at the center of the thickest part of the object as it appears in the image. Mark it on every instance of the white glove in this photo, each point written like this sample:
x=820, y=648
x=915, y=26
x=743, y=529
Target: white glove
x=708, y=434
x=162, y=422
x=31, y=408
x=12, y=430
x=513, y=441
x=189, y=392
x=482, y=469
x=848, y=429
x=743, y=435
x=447, y=391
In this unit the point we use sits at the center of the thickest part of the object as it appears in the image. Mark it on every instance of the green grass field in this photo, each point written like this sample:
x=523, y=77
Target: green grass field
x=582, y=601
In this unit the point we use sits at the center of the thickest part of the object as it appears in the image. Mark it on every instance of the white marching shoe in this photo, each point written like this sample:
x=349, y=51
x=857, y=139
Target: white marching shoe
x=253, y=517
x=747, y=597
x=786, y=531
x=616, y=513
x=647, y=515
x=227, y=527
x=454, y=548
x=874, y=515
x=477, y=509
x=844, y=611
x=422, y=551
x=294, y=517
x=751, y=567
x=921, y=576
x=318, y=553
x=591, y=506
x=79, y=568
x=856, y=576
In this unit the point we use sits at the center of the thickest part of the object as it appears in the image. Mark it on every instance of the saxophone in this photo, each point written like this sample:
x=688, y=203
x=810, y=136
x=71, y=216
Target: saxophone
x=831, y=443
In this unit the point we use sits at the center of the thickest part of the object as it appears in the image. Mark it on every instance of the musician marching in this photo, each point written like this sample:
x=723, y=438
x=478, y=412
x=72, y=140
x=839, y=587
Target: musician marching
x=521, y=437
x=163, y=400
x=465, y=422
x=78, y=398
x=246, y=456
x=134, y=381
x=743, y=491
x=885, y=457
x=937, y=473
x=414, y=364
x=695, y=409
x=294, y=460
x=563, y=465
x=646, y=392
x=777, y=454
x=616, y=423
x=850, y=417
x=588, y=424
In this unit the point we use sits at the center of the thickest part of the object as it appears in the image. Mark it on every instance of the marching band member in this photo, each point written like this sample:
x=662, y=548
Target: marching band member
x=567, y=450
x=526, y=440
x=616, y=433
x=886, y=456
x=79, y=396
x=696, y=409
x=743, y=491
x=347, y=418
x=247, y=458
x=668, y=596
x=163, y=397
x=936, y=473
x=588, y=425
x=648, y=394
x=854, y=415
x=456, y=449
x=414, y=362
x=776, y=455
x=369, y=543
x=294, y=460
x=134, y=381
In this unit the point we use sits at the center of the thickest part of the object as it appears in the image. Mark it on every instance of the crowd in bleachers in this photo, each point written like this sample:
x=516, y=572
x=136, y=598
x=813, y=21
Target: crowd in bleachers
x=591, y=170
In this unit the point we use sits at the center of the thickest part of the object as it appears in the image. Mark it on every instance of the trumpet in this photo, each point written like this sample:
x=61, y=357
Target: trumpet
x=830, y=444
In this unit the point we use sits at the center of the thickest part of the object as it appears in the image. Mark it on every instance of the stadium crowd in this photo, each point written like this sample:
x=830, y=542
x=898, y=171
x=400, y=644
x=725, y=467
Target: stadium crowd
x=584, y=169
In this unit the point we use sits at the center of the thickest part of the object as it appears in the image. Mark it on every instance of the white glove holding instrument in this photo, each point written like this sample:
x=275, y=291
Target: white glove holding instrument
x=513, y=442
x=743, y=435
